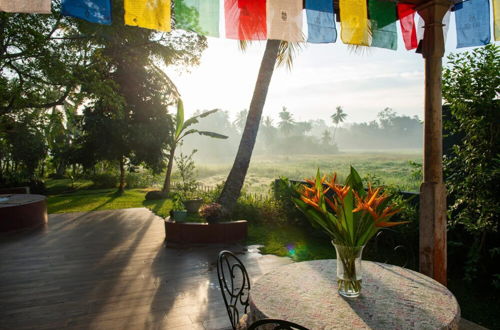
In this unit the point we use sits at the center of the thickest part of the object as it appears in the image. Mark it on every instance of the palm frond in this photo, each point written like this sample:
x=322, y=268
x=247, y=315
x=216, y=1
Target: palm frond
x=286, y=53
x=243, y=45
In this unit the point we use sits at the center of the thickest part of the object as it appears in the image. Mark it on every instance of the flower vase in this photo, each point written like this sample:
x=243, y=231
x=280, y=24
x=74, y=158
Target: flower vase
x=349, y=270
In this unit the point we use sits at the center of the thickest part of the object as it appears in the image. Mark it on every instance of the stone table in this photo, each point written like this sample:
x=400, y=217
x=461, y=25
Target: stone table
x=391, y=298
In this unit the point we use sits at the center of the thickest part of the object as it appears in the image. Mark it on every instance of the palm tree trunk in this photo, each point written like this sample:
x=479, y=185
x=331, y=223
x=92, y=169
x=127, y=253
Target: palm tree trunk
x=166, y=183
x=236, y=178
x=335, y=132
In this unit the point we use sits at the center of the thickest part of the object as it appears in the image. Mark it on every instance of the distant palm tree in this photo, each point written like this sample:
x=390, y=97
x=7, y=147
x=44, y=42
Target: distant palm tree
x=276, y=53
x=337, y=118
x=286, y=123
x=326, y=137
x=240, y=120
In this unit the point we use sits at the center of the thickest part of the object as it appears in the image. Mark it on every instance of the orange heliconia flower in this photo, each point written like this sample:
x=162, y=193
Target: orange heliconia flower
x=340, y=191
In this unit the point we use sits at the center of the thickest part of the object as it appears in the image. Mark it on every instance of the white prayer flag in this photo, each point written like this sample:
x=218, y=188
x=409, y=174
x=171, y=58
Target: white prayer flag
x=26, y=6
x=284, y=20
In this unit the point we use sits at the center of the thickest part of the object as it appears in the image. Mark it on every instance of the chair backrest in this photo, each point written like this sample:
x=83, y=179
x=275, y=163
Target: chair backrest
x=280, y=325
x=234, y=284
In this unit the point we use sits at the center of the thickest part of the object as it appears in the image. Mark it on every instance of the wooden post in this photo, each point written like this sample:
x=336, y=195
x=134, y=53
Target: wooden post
x=432, y=226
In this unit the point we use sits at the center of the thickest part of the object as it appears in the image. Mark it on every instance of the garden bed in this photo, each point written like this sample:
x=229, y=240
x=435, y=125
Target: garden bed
x=204, y=233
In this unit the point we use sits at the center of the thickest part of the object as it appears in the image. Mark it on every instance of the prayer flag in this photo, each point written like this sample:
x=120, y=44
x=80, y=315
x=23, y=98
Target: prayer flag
x=201, y=16
x=95, y=11
x=26, y=6
x=284, y=20
x=472, y=19
x=245, y=19
x=320, y=21
x=406, y=15
x=149, y=14
x=354, y=22
x=383, y=24
x=496, y=19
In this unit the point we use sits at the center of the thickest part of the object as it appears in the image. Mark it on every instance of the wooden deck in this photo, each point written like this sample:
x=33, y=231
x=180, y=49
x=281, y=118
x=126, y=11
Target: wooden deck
x=111, y=270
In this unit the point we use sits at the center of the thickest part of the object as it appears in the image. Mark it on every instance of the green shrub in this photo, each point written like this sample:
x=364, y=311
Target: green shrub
x=104, y=181
x=140, y=180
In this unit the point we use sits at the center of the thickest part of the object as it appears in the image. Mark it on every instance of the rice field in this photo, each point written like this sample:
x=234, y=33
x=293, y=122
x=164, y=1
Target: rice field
x=394, y=167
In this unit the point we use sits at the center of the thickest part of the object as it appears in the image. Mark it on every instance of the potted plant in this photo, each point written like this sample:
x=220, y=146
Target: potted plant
x=350, y=215
x=188, y=185
x=213, y=212
x=178, y=212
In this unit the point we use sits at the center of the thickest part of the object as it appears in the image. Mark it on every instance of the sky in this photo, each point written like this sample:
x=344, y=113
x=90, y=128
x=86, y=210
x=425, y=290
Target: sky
x=323, y=77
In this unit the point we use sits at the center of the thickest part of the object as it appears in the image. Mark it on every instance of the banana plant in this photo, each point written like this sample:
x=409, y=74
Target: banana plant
x=180, y=132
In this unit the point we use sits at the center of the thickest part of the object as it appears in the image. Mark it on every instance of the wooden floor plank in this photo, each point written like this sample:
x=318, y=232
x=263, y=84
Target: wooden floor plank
x=111, y=270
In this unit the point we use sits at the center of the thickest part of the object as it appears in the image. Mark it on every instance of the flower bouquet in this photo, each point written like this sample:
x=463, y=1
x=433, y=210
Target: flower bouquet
x=350, y=215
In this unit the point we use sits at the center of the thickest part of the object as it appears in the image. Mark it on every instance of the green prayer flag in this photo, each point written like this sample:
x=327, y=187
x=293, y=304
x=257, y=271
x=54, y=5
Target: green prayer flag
x=200, y=16
x=383, y=24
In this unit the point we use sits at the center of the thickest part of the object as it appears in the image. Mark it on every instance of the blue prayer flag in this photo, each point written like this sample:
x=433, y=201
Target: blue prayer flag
x=472, y=19
x=95, y=11
x=320, y=21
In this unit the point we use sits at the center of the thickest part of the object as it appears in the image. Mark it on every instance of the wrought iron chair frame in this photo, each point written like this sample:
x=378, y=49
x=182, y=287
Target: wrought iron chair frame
x=280, y=325
x=233, y=296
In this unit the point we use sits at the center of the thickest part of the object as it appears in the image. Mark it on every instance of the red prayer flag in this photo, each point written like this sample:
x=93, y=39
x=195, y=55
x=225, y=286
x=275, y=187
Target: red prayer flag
x=406, y=14
x=245, y=19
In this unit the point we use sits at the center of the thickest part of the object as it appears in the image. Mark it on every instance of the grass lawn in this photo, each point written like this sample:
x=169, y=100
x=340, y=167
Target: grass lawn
x=106, y=199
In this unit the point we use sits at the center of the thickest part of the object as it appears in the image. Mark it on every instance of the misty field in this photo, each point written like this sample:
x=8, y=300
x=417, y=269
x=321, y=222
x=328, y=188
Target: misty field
x=392, y=167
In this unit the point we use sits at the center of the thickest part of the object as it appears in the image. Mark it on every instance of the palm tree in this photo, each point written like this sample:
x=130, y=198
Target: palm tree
x=326, y=137
x=179, y=133
x=240, y=120
x=276, y=52
x=286, y=123
x=337, y=118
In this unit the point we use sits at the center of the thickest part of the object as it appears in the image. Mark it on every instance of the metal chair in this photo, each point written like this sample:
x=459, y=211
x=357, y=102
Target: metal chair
x=280, y=325
x=234, y=284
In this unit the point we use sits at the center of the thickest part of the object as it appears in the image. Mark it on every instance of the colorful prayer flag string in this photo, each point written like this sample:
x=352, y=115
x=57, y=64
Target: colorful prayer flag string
x=383, y=24
x=245, y=19
x=26, y=6
x=354, y=22
x=201, y=16
x=406, y=14
x=149, y=14
x=472, y=20
x=496, y=19
x=284, y=20
x=94, y=11
x=320, y=21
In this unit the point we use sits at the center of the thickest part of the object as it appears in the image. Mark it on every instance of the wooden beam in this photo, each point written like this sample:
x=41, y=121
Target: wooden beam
x=433, y=257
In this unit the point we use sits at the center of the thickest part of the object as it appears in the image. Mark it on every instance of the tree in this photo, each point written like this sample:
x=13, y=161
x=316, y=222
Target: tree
x=286, y=123
x=338, y=117
x=326, y=137
x=40, y=65
x=241, y=118
x=471, y=86
x=232, y=187
x=180, y=132
x=131, y=60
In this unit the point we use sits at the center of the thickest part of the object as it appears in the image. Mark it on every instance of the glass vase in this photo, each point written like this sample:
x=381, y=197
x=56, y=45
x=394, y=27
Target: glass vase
x=349, y=270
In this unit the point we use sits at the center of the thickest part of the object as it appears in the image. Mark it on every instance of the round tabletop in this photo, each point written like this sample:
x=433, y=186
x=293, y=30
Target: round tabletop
x=391, y=298
x=10, y=200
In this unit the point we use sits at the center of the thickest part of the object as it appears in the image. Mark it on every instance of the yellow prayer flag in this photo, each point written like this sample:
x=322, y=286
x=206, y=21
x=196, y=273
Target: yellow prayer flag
x=496, y=19
x=149, y=14
x=354, y=22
